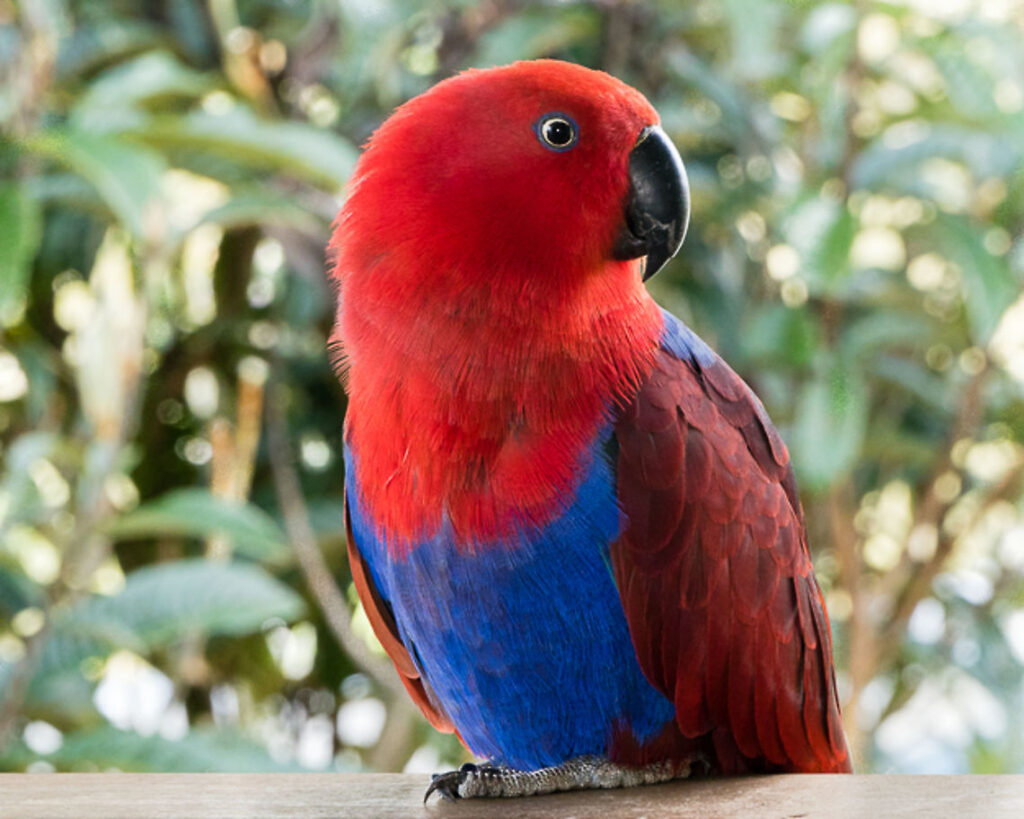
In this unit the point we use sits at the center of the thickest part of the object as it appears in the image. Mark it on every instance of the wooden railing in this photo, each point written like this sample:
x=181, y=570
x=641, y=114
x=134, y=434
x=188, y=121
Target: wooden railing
x=198, y=796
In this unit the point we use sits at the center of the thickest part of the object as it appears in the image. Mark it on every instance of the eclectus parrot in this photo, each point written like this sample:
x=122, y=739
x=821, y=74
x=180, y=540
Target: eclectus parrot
x=572, y=526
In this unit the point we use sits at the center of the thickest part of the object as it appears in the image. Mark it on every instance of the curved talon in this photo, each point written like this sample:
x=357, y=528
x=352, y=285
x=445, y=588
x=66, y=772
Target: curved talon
x=447, y=784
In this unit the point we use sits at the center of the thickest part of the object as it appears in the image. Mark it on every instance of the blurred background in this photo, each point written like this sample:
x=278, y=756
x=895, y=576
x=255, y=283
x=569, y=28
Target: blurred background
x=170, y=429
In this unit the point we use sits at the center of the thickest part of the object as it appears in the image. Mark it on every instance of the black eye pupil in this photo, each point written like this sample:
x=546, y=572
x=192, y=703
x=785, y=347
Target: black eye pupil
x=558, y=132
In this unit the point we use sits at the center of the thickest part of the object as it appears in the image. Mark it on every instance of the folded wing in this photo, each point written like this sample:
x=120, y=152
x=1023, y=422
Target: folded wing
x=715, y=576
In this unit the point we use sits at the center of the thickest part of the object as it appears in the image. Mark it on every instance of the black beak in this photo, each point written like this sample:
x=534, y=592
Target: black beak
x=658, y=203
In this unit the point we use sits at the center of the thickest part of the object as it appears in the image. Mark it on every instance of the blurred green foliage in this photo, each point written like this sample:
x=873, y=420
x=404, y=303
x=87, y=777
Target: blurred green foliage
x=168, y=173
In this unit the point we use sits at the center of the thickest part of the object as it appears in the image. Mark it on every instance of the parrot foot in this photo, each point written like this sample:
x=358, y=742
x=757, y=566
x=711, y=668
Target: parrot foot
x=580, y=773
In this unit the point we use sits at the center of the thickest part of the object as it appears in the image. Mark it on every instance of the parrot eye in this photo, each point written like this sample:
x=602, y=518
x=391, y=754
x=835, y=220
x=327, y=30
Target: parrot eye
x=556, y=132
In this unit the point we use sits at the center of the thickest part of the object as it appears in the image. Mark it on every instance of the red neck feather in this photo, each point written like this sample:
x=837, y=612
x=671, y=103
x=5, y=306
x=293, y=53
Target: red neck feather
x=484, y=408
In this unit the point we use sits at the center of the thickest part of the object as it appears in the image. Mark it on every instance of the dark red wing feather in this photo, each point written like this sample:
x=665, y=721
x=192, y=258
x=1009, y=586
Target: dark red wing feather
x=715, y=576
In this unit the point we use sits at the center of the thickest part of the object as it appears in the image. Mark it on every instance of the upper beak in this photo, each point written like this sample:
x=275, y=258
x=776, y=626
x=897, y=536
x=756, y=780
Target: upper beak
x=658, y=202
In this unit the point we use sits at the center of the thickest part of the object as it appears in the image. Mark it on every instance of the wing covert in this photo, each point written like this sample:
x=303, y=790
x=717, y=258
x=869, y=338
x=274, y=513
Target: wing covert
x=714, y=571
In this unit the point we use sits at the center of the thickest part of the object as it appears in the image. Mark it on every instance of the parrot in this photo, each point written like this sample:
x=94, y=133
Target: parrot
x=572, y=527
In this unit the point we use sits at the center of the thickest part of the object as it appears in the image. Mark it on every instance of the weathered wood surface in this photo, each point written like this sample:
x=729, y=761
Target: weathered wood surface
x=198, y=796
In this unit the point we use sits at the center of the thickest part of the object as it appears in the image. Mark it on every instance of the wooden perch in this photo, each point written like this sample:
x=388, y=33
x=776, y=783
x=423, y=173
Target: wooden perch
x=140, y=796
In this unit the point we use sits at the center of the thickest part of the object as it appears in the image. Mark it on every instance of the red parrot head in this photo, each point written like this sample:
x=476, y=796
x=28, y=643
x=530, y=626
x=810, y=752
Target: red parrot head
x=491, y=308
x=542, y=169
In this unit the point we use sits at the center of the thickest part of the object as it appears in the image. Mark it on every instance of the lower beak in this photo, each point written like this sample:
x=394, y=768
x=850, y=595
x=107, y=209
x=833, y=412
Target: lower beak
x=657, y=208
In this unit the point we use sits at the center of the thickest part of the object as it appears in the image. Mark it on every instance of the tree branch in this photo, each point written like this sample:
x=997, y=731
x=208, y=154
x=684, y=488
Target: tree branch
x=933, y=509
x=17, y=685
x=311, y=561
x=920, y=584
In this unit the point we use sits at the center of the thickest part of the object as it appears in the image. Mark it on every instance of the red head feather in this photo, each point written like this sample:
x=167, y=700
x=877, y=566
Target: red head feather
x=487, y=329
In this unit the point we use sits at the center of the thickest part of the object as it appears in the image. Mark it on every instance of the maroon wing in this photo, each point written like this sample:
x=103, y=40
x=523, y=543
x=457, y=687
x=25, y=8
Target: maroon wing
x=715, y=575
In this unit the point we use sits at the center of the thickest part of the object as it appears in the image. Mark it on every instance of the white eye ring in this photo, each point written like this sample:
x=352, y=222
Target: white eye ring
x=557, y=132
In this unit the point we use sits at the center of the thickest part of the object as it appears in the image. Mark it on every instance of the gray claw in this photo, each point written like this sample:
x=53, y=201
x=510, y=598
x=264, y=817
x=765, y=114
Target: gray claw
x=447, y=784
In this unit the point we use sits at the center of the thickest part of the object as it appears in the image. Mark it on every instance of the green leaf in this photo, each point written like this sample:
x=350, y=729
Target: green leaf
x=910, y=377
x=198, y=751
x=126, y=176
x=82, y=633
x=989, y=285
x=112, y=37
x=23, y=502
x=830, y=424
x=754, y=31
x=150, y=77
x=885, y=165
x=265, y=208
x=162, y=603
x=16, y=590
x=239, y=135
x=825, y=23
x=822, y=231
x=61, y=697
x=197, y=513
x=537, y=33
x=20, y=231
x=830, y=261
x=730, y=99
x=882, y=330
x=58, y=691
x=780, y=334
x=968, y=85
x=900, y=449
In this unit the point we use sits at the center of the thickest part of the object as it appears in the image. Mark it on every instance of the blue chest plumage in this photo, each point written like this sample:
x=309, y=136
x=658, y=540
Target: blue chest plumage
x=524, y=643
